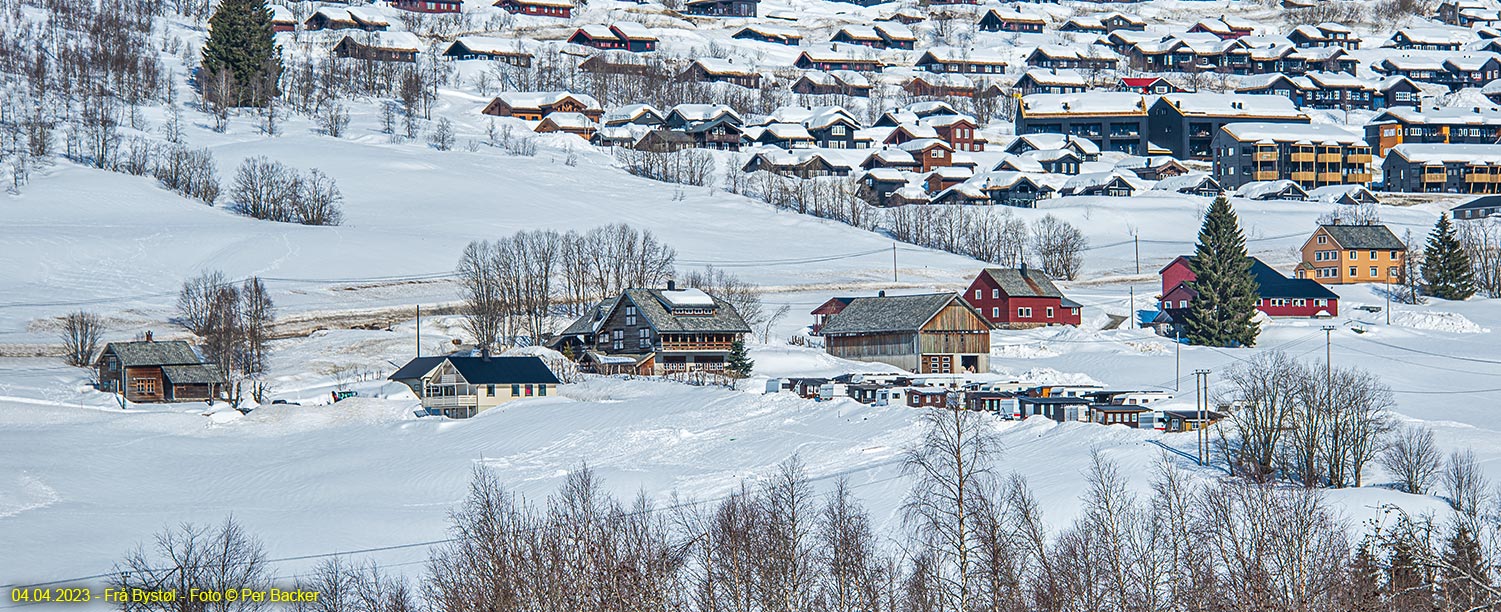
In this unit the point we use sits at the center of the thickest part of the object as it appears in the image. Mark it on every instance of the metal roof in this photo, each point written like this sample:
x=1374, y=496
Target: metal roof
x=1364, y=237
x=153, y=353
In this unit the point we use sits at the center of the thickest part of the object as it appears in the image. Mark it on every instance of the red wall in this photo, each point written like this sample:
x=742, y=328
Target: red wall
x=1008, y=306
x=1174, y=273
x=1307, y=310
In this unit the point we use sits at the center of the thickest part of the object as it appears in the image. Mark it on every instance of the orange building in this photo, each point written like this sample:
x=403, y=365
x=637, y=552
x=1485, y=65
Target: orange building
x=1345, y=254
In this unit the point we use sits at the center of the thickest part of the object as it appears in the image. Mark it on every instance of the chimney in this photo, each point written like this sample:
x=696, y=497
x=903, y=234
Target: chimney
x=672, y=285
x=881, y=293
x=148, y=335
x=484, y=353
x=1024, y=268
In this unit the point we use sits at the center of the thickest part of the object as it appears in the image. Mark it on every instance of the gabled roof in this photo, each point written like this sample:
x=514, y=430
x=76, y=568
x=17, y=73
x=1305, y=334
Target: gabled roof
x=153, y=353
x=1023, y=282
x=194, y=374
x=888, y=314
x=652, y=304
x=1271, y=283
x=483, y=370
x=1364, y=237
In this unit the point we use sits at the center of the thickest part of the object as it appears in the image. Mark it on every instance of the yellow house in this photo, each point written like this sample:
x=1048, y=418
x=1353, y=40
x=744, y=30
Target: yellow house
x=1345, y=254
x=461, y=386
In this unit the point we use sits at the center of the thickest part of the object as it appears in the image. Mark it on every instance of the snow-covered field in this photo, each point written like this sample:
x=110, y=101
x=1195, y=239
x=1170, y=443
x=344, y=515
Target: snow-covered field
x=82, y=481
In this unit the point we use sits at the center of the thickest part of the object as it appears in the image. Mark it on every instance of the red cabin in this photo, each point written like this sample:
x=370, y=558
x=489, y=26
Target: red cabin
x=1020, y=297
x=1279, y=296
x=540, y=8
x=828, y=309
x=429, y=6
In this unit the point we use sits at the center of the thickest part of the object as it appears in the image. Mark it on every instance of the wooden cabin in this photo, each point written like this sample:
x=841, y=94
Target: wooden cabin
x=149, y=371
x=937, y=333
x=380, y=47
x=539, y=8
x=662, y=331
x=430, y=6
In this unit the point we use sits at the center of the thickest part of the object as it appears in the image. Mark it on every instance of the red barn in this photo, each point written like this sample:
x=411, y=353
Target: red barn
x=1020, y=297
x=1279, y=295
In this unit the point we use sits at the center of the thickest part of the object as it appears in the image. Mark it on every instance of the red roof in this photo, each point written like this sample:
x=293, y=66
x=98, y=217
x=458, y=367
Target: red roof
x=1139, y=81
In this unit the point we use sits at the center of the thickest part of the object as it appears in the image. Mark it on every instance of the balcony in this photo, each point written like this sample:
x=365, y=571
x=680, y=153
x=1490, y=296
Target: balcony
x=1331, y=177
x=1478, y=177
x=694, y=347
x=1265, y=156
x=1433, y=177
x=451, y=401
x=1329, y=158
x=1358, y=158
x=1264, y=175
x=1302, y=157
x=1358, y=177
x=1304, y=176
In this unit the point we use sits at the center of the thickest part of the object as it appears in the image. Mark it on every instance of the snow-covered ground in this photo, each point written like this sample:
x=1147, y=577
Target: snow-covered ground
x=82, y=481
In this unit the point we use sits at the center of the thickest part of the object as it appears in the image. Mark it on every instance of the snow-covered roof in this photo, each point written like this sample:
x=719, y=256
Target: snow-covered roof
x=490, y=44
x=1056, y=76
x=1447, y=153
x=393, y=41
x=955, y=55
x=1257, y=190
x=630, y=112
x=724, y=67
x=860, y=32
x=1090, y=103
x=773, y=31
x=687, y=298
x=569, y=120
x=895, y=31
x=1232, y=105
x=1335, y=193
x=282, y=14
x=1050, y=141
x=1436, y=36
x=539, y=99
x=1446, y=115
x=633, y=30
x=1316, y=133
x=1189, y=180
x=703, y=112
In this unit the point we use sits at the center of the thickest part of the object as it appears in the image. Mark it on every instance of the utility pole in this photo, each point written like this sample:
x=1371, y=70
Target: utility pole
x=1136, y=239
x=893, y=262
x=419, y=330
x=1132, y=313
x=1388, y=300
x=1328, y=360
x=1201, y=402
x=1177, y=358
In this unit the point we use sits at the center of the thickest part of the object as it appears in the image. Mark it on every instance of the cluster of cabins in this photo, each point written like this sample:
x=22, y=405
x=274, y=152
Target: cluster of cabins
x=1008, y=399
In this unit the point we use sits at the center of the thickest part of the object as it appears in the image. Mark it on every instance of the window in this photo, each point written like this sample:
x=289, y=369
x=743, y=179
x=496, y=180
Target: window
x=1373, y=272
x=617, y=334
x=515, y=390
x=1354, y=271
x=1183, y=303
x=1354, y=255
x=143, y=386
x=645, y=333
x=995, y=312
x=619, y=345
x=1024, y=312
x=489, y=390
x=936, y=154
x=1050, y=312
x=542, y=390
x=1391, y=271
x=995, y=294
x=977, y=294
x=1393, y=254
x=630, y=319
x=1374, y=256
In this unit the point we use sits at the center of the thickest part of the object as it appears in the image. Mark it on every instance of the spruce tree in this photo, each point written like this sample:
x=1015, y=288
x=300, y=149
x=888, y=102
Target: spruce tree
x=1446, y=266
x=241, y=62
x=739, y=363
x=1223, y=312
x=1465, y=574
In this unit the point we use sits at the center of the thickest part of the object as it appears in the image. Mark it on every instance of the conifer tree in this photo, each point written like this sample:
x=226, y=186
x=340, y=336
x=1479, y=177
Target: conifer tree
x=1465, y=570
x=1446, y=266
x=1222, y=314
x=1363, y=591
x=739, y=364
x=241, y=62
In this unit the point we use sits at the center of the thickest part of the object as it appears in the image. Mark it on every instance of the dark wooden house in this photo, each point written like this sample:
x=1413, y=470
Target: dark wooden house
x=380, y=47
x=150, y=371
x=680, y=329
x=722, y=8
